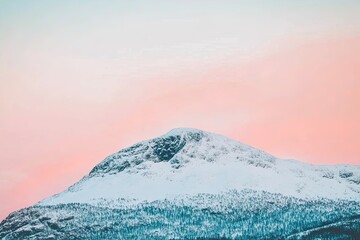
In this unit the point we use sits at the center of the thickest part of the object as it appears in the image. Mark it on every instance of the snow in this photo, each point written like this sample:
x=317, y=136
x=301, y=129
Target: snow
x=209, y=164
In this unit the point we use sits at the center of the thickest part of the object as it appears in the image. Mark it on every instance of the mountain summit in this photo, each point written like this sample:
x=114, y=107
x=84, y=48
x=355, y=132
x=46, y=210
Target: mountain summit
x=190, y=183
x=178, y=147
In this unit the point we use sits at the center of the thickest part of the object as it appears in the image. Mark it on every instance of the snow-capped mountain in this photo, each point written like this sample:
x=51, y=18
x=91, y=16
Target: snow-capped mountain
x=156, y=186
x=190, y=161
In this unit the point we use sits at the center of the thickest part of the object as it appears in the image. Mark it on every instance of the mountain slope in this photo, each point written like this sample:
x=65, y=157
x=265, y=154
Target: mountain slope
x=193, y=184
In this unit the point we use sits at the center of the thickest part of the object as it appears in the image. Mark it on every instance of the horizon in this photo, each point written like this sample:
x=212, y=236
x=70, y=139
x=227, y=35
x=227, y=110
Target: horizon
x=81, y=80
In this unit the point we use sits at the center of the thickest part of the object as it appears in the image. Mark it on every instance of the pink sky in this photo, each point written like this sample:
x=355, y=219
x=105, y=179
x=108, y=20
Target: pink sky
x=63, y=111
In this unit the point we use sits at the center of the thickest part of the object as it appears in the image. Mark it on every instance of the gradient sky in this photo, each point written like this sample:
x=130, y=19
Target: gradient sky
x=80, y=80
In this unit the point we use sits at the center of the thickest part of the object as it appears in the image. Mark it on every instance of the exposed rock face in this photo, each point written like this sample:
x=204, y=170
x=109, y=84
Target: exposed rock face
x=177, y=147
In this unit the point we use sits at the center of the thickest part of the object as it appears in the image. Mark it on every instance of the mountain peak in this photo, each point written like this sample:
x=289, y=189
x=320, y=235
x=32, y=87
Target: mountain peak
x=179, y=147
x=187, y=134
x=179, y=130
x=184, y=131
x=160, y=149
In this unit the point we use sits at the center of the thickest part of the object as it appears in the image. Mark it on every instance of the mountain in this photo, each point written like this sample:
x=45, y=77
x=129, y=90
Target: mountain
x=197, y=185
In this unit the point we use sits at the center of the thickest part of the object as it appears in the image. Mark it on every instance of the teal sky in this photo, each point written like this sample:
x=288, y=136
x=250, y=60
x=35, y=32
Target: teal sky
x=105, y=28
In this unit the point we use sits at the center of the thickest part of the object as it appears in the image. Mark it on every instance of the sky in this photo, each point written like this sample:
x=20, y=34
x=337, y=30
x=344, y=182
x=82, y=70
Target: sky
x=80, y=80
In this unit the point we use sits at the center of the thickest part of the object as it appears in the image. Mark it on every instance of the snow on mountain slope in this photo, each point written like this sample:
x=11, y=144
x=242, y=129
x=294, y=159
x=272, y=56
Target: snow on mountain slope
x=190, y=161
